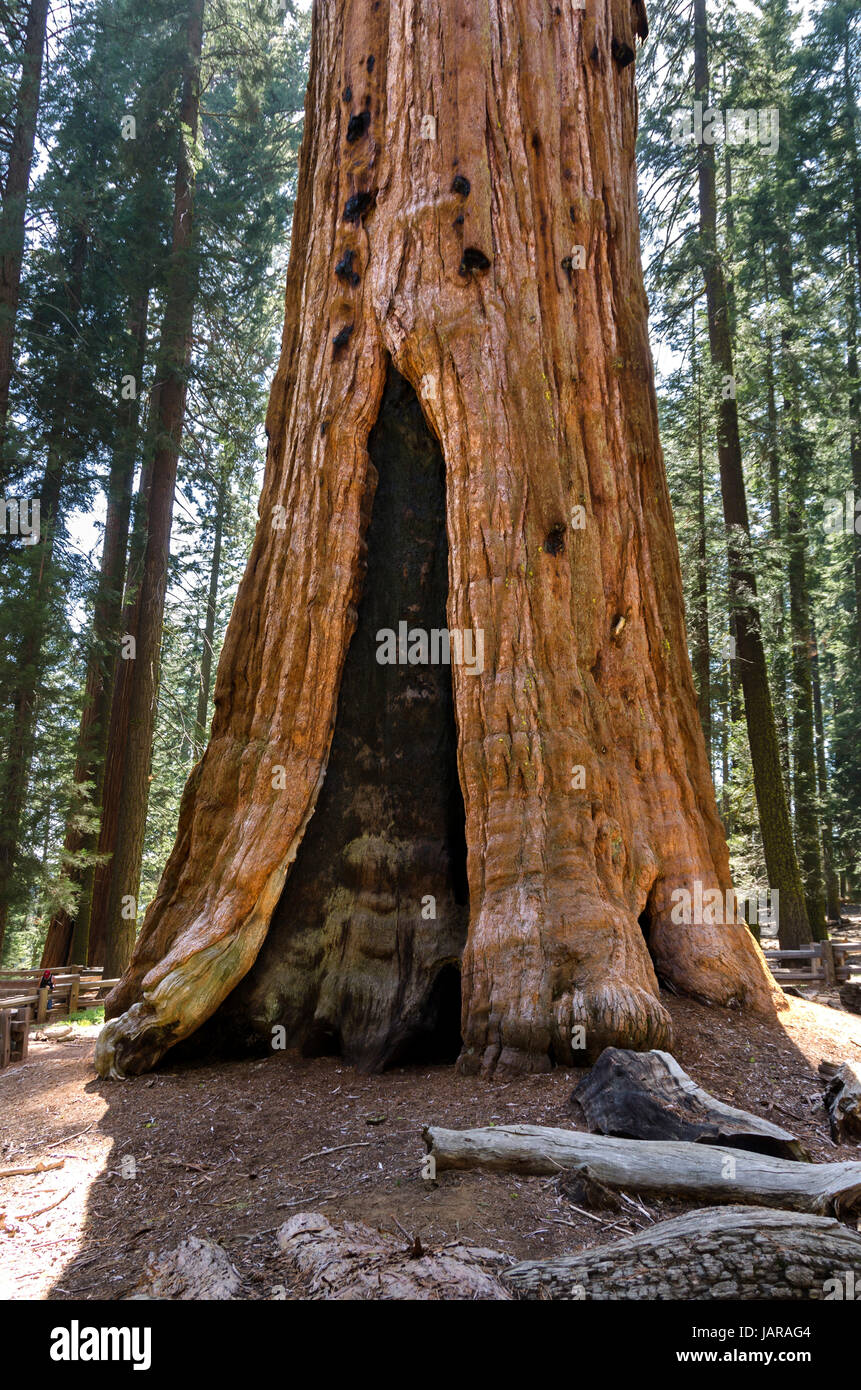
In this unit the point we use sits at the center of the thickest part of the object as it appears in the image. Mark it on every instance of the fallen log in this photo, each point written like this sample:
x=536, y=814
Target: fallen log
x=850, y=997
x=351, y=1261
x=842, y=1099
x=647, y=1095
x=736, y=1252
x=197, y=1270
x=696, y=1171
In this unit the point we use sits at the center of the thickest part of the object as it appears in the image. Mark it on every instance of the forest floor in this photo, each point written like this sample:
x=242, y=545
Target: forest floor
x=230, y=1151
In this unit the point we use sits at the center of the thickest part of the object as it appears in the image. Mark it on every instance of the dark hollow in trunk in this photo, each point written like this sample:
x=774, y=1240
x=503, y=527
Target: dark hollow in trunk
x=350, y=963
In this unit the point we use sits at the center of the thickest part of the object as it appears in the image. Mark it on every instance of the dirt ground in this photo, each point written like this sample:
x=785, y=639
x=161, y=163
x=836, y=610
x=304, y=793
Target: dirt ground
x=231, y=1151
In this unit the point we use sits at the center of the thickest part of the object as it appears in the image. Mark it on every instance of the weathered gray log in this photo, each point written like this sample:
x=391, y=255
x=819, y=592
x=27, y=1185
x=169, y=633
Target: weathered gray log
x=850, y=997
x=350, y=1261
x=695, y=1171
x=739, y=1252
x=647, y=1095
x=842, y=1099
x=196, y=1270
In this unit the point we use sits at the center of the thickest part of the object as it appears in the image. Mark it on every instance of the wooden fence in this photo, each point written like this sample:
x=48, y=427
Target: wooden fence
x=24, y=1001
x=828, y=962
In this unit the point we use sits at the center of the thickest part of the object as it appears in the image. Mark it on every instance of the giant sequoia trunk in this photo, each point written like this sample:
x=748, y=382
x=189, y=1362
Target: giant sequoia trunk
x=463, y=414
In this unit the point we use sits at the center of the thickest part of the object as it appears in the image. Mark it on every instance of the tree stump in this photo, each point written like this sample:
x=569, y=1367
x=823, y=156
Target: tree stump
x=647, y=1095
x=842, y=1099
x=850, y=997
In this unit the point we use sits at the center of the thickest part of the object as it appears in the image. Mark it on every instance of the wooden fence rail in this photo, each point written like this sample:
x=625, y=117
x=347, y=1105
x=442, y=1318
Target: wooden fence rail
x=23, y=1000
x=829, y=962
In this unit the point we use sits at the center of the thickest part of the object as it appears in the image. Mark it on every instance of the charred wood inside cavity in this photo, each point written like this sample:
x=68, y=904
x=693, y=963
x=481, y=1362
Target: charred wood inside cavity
x=363, y=953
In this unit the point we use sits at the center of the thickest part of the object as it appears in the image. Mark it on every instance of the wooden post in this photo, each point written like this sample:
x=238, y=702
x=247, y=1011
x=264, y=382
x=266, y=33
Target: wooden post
x=5, y=1037
x=42, y=1006
x=74, y=990
x=826, y=955
x=23, y=1016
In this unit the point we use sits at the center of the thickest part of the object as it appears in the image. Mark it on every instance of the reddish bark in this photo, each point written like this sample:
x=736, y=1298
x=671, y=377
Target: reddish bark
x=536, y=378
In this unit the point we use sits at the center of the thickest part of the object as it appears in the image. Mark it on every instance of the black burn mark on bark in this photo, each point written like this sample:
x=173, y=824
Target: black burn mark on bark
x=357, y=206
x=554, y=543
x=460, y=185
x=357, y=126
x=342, y=337
x=473, y=259
x=344, y=269
x=623, y=53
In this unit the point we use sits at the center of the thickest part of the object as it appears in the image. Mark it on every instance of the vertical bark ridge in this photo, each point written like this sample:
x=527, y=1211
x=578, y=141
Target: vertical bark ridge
x=536, y=378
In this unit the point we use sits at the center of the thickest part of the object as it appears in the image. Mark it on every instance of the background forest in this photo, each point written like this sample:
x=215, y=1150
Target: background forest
x=149, y=156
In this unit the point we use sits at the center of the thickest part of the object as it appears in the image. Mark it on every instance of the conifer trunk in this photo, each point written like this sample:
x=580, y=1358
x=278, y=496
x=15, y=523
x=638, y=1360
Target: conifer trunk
x=775, y=825
x=700, y=642
x=39, y=559
x=205, y=683
x=832, y=886
x=13, y=220
x=470, y=284
x=67, y=938
x=119, y=925
x=804, y=789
